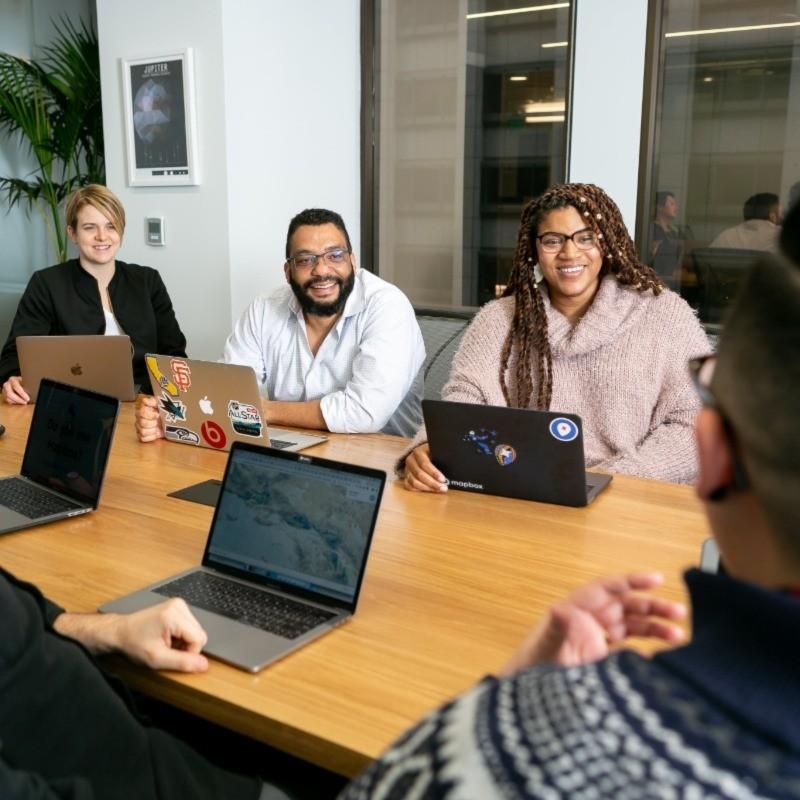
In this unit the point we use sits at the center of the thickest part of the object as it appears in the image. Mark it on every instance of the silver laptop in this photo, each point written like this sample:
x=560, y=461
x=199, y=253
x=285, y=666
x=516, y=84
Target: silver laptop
x=65, y=457
x=210, y=404
x=285, y=555
x=100, y=363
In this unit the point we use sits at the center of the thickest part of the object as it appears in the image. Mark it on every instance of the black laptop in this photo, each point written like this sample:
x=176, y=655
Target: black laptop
x=65, y=457
x=513, y=452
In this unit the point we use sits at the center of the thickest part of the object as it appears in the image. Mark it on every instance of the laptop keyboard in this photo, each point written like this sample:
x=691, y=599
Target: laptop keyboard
x=253, y=607
x=279, y=444
x=28, y=499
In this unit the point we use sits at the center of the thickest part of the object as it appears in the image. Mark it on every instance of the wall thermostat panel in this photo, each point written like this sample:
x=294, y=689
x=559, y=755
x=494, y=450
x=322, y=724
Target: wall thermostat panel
x=154, y=233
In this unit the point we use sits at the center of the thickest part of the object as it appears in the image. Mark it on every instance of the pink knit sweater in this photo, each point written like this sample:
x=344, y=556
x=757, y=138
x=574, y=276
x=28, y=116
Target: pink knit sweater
x=622, y=368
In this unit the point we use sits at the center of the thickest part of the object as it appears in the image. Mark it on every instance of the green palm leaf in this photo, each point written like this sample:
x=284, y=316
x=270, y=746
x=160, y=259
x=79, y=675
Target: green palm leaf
x=53, y=106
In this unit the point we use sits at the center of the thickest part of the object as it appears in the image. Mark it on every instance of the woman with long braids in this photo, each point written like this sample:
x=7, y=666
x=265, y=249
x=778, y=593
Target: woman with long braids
x=584, y=327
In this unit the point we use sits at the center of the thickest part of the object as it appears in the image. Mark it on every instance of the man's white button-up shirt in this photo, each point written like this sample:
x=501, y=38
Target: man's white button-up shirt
x=366, y=371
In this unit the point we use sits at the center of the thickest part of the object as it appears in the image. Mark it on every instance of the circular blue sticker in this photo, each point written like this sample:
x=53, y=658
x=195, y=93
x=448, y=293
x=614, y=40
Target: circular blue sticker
x=563, y=429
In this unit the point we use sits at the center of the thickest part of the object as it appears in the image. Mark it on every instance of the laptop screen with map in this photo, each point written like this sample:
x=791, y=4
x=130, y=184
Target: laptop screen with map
x=295, y=524
x=285, y=556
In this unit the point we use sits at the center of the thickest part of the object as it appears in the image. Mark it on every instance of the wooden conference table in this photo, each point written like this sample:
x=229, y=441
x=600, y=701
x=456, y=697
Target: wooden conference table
x=452, y=584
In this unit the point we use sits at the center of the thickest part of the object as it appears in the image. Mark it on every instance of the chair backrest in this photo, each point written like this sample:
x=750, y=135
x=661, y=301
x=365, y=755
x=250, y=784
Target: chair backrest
x=442, y=332
x=719, y=271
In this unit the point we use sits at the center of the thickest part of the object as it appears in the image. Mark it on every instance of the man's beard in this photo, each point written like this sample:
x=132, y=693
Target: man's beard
x=311, y=306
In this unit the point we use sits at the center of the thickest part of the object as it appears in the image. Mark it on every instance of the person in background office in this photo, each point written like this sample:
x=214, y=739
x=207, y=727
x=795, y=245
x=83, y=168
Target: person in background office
x=586, y=328
x=68, y=731
x=760, y=229
x=336, y=349
x=571, y=717
x=666, y=240
x=94, y=293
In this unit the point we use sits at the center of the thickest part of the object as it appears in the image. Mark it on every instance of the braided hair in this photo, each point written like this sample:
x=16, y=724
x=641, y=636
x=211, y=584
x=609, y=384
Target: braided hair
x=528, y=334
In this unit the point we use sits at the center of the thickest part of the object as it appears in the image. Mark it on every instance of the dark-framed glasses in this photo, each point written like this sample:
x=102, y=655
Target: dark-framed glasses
x=702, y=371
x=552, y=242
x=336, y=255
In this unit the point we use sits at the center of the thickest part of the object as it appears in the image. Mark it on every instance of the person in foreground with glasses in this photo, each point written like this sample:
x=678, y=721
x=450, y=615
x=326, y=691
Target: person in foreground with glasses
x=583, y=327
x=571, y=716
x=337, y=349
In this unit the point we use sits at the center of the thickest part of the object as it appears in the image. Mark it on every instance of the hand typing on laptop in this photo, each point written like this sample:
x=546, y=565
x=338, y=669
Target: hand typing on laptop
x=582, y=628
x=164, y=636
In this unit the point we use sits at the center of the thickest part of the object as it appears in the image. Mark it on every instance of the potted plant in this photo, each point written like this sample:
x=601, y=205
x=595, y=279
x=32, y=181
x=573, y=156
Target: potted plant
x=53, y=105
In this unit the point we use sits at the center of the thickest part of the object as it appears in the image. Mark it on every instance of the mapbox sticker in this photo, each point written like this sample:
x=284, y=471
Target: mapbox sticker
x=505, y=454
x=244, y=418
x=177, y=434
x=484, y=440
x=563, y=429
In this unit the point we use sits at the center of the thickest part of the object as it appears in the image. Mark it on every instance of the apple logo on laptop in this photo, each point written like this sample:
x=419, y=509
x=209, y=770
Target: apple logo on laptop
x=76, y=369
x=205, y=405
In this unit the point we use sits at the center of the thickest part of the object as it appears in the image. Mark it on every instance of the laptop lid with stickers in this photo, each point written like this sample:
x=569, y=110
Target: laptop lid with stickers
x=209, y=404
x=513, y=452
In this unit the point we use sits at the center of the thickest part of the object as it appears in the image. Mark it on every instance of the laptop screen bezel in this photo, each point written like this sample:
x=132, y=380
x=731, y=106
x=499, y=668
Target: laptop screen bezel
x=296, y=591
x=69, y=390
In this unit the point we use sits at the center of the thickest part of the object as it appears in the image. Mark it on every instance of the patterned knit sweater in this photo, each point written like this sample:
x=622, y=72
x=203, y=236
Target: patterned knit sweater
x=622, y=368
x=719, y=718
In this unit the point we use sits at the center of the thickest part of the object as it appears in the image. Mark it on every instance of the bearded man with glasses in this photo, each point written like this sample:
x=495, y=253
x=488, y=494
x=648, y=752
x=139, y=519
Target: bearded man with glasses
x=717, y=718
x=337, y=349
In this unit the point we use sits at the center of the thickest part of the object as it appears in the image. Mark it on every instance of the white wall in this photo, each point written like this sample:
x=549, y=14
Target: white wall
x=278, y=99
x=608, y=84
x=293, y=98
x=195, y=262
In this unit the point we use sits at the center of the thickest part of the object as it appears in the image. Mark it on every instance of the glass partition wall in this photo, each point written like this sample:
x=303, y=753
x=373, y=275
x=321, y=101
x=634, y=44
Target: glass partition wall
x=724, y=148
x=471, y=123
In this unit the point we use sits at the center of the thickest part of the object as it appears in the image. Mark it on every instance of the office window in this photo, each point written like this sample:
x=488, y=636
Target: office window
x=726, y=123
x=470, y=124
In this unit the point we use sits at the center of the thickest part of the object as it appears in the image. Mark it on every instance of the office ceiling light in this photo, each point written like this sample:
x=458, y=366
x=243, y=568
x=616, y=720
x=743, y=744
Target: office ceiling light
x=545, y=108
x=507, y=11
x=708, y=79
x=555, y=44
x=707, y=31
x=518, y=78
x=547, y=118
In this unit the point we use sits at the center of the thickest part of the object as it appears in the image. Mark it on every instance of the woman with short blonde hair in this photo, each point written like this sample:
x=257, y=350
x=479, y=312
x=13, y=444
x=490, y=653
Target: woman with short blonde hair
x=94, y=293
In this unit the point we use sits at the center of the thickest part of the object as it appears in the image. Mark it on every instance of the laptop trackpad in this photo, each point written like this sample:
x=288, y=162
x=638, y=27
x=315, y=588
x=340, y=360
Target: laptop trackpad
x=238, y=644
x=11, y=520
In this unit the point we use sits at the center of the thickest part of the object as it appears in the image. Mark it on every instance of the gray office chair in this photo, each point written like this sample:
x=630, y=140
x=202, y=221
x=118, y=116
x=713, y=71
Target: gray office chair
x=719, y=271
x=442, y=332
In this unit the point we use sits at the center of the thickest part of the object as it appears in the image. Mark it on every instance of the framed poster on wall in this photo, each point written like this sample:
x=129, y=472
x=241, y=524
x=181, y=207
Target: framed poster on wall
x=160, y=126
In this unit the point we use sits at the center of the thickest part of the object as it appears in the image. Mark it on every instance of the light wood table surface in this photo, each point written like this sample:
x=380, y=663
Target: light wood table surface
x=452, y=584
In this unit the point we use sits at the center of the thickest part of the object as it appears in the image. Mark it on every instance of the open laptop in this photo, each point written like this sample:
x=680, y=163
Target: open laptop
x=514, y=452
x=100, y=363
x=211, y=404
x=285, y=555
x=65, y=457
